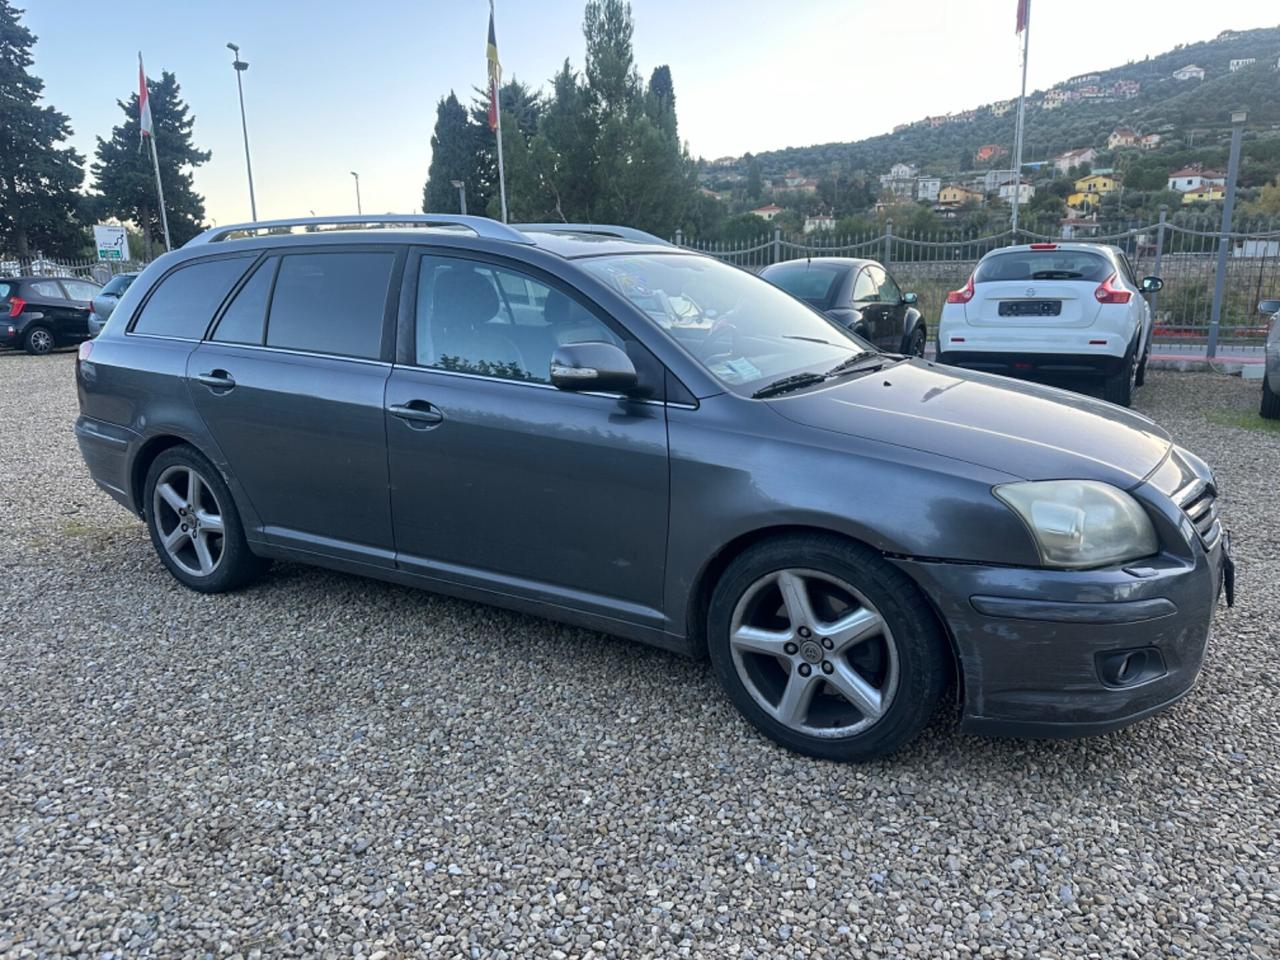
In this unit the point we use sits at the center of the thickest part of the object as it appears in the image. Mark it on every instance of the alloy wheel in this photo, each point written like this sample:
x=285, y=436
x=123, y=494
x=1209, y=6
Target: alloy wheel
x=188, y=520
x=41, y=340
x=814, y=653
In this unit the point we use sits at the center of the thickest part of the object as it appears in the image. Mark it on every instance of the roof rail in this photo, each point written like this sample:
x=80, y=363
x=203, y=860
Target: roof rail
x=481, y=226
x=596, y=229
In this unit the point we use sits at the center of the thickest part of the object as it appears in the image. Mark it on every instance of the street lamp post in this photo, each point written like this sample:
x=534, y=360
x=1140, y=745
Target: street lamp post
x=240, y=67
x=358, y=209
x=1238, y=118
x=462, y=195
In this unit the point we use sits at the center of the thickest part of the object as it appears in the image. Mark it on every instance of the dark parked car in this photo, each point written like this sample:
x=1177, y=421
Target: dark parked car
x=40, y=313
x=860, y=295
x=1270, y=407
x=553, y=421
x=101, y=306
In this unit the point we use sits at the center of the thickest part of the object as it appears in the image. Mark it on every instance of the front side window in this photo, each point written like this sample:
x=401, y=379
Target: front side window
x=475, y=317
x=186, y=300
x=331, y=303
x=864, y=287
x=1044, y=265
x=886, y=290
x=743, y=329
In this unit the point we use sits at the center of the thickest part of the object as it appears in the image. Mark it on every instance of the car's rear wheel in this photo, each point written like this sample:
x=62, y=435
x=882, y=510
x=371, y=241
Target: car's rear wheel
x=1141, y=376
x=1270, y=408
x=38, y=340
x=1118, y=388
x=194, y=524
x=827, y=648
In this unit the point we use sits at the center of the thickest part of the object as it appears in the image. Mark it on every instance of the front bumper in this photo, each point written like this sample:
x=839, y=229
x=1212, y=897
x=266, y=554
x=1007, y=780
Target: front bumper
x=1040, y=650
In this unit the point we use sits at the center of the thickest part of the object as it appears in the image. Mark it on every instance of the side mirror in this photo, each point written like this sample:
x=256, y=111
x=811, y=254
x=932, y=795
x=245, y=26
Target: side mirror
x=1151, y=284
x=591, y=366
x=909, y=298
x=1269, y=306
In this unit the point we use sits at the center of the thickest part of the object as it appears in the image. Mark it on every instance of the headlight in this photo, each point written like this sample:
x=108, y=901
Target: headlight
x=1081, y=523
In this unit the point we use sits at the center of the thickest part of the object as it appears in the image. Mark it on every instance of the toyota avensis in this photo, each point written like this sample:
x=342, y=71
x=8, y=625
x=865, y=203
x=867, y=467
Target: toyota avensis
x=588, y=424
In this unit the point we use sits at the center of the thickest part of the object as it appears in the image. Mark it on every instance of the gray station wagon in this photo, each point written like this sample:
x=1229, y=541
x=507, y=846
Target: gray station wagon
x=589, y=424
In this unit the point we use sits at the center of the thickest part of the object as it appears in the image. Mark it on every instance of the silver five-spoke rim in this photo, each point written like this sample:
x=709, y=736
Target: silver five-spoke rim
x=41, y=340
x=188, y=519
x=814, y=653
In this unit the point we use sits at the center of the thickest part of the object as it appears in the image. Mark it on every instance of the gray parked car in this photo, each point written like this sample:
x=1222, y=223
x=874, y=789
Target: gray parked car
x=1270, y=407
x=550, y=419
x=101, y=306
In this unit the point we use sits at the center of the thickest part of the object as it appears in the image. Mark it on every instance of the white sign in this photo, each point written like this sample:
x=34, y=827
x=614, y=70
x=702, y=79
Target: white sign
x=112, y=242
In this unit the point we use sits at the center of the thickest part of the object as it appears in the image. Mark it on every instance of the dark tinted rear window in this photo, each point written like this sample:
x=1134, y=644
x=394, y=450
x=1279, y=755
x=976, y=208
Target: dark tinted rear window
x=1044, y=265
x=246, y=315
x=331, y=303
x=813, y=283
x=185, y=301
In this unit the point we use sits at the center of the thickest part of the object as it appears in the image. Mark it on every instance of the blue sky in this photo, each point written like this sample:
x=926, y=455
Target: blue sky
x=334, y=87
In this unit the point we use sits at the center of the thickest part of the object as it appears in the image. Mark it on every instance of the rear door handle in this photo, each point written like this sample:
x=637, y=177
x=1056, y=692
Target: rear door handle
x=216, y=380
x=416, y=411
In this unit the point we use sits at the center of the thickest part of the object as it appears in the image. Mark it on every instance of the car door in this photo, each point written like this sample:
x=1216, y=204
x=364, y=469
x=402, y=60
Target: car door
x=290, y=383
x=47, y=298
x=501, y=481
x=79, y=295
x=1139, y=306
x=895, y=310
x=878, y=316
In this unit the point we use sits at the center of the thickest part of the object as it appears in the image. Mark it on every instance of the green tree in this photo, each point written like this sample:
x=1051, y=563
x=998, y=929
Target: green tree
x=39, y=179
x=126, y=178
x=612, y=82
x=755, y=184
x=563, y=152
x=453, y=157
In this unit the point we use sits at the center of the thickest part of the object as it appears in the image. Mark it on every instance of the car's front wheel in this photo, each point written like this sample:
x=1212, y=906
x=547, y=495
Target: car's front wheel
x=1270, y=408
x=918, y=338
x=194, y=524
x=827, y=648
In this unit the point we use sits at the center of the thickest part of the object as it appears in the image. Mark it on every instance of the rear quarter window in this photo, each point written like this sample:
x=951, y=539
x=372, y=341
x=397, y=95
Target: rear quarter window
x=1022, y=265
x=184, y=302
x=815, y=285
x=6, y=290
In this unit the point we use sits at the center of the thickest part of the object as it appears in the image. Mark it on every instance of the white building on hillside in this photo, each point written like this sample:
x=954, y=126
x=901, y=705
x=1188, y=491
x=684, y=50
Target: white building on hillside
x=1189, y=72
x=1242, y=63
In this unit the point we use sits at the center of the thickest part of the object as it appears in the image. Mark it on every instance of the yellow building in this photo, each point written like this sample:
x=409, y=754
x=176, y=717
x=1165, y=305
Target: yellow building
x=1097, y=183
x=954, y=195
x=1203, y=193
x=1082, y=201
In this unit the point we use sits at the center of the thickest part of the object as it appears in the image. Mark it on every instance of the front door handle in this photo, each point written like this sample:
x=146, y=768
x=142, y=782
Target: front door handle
x=216, y=380
x=416, y=411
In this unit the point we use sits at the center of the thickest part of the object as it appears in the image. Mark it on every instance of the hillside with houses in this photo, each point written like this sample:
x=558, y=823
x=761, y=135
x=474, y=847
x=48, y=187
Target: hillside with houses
x=1101, y=147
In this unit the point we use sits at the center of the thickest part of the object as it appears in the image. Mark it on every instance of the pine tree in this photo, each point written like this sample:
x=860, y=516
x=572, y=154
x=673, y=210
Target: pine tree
x=453, y=157
x=126, y=178
x=39, y=179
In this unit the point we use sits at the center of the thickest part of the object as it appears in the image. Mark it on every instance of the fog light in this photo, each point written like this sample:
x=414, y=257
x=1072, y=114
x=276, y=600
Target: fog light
x=1128, y=668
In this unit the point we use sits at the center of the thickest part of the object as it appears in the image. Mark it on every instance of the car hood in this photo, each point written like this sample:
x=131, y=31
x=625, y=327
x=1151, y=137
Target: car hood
x=1018, y=428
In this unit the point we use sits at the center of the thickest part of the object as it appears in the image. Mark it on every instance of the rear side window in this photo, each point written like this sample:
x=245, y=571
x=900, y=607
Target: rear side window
x=331, y=303
x=245, y=318
x=80, y=290
x=1044, y=265
x=48, y=289
x=186, y=300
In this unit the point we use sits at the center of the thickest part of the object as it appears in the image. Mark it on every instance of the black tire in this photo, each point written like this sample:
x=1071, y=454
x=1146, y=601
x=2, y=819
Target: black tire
x=1118, y=388
x=236, y=564
x=919, y=336
x=922, y=655
x=38, y=340
x=1141, y=376
x=1270, y=407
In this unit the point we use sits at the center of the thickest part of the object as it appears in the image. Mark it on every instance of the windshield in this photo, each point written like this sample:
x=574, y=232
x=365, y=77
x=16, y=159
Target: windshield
x=744, y=330
x=117, y=285
x=1044, y=265
x=814, y=283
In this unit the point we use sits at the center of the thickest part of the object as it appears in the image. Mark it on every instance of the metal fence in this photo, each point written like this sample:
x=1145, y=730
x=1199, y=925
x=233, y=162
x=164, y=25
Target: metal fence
x=99, y=271
x=1182, y=251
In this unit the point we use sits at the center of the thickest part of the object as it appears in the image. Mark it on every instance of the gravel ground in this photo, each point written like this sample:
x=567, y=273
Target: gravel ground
x=329, y=766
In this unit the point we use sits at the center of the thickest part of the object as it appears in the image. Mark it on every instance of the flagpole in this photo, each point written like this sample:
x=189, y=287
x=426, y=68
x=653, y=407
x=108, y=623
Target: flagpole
x=497, y=103
x=1022, y=107
x=164, y=217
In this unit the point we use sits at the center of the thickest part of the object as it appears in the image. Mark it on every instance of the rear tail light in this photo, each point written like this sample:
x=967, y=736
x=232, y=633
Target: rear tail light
x=82, y=354
x=1107, y=293
x=16, y=306
x=1044, y=246
x=964, y=294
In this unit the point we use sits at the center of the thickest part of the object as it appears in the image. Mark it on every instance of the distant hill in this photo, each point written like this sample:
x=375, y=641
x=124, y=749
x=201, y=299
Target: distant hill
x=1185, y=112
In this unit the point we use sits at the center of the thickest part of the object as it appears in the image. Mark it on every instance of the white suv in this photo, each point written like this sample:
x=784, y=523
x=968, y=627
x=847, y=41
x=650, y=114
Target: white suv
x=1052, y=309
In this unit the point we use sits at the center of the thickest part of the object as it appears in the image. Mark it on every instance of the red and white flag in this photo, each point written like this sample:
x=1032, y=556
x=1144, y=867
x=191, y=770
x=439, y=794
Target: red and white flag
x=1023, y=10
x=144, y=104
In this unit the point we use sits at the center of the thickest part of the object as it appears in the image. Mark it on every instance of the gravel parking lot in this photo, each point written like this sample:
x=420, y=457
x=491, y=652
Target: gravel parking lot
x=329, y=766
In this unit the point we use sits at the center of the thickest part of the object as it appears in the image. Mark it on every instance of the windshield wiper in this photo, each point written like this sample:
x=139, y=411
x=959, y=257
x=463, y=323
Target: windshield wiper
x=861, y=362
x=792, y=336
x=793, y=382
